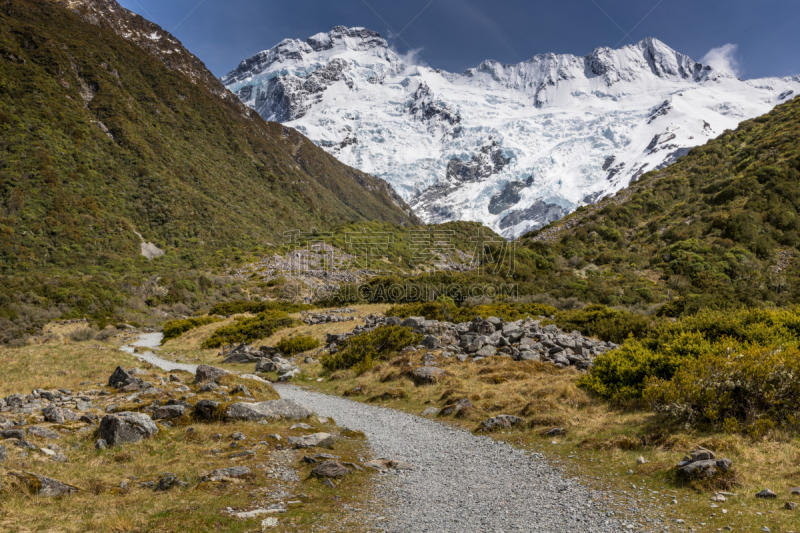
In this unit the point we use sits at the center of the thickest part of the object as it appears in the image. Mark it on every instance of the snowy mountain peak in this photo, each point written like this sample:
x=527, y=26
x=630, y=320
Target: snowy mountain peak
x=513, y=146
x=343, y=38
x=296, y=56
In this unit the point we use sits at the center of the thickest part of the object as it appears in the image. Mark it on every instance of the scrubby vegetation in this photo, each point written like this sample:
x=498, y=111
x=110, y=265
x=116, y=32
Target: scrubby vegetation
x=294, y=345
x=99, y=139
x=176, y=160
x=622, y=375
x=250, y=329
x=83, y=335
x=175, y=328
x=362, y=351
x=450, y=312
x=238, y=307
x=734, y=387
x=604, y=323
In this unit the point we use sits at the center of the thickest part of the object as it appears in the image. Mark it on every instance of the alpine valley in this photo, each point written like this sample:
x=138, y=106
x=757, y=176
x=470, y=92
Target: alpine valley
x=512, y=146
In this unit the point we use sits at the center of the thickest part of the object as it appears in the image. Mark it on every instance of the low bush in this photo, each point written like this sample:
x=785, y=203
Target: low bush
x=107, y=334
x=238, y=307
x=733, y=387
x=83, y=335
x=250, y=329
x=621, y=375
x=361, y=352
x=295, y=345
x=605, y=323
x=176, y=328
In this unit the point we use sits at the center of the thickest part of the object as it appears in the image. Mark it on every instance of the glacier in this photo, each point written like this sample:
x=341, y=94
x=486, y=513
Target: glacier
x=512, y=146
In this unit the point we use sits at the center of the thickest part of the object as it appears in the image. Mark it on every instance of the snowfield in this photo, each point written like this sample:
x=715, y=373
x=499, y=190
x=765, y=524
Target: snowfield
x=512, y=146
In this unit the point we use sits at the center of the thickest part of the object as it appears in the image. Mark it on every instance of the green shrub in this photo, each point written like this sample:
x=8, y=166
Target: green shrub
x=176, y=328
x=621, y=375
x=249, y=329
x=733, y=387
x=604, y=323
x=238, y=307
x=360, y=352
x=295, y=345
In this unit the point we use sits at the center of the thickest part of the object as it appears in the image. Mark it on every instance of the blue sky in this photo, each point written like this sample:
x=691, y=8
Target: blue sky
x=455, y=35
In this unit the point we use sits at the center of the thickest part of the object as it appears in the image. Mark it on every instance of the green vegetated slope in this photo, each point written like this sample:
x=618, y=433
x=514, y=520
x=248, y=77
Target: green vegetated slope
x=184, y=167
x=718, y=229
x=387, y=247
x=103, y=136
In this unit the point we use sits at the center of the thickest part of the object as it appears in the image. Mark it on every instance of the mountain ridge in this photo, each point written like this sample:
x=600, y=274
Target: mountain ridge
x=557, y=117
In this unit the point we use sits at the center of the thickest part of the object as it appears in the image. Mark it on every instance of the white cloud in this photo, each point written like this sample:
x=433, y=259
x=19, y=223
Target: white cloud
x=723, y=58
x=412, y=57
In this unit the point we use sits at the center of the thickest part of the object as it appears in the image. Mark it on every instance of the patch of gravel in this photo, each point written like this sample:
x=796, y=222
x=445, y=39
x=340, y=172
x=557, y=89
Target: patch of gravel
x=463, y=482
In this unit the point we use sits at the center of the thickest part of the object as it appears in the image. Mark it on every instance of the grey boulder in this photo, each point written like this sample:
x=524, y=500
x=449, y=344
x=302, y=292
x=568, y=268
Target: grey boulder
x=126, y=428
x=12, y=434
x=208, y=373
x=169, y=411
x=427, y=375
x=58, y=415
x=119, y=377
x=499, y=422
x=320, y=440
x=329, y=469
x=430, y=342
x=38, y=431
x=221, y=474
x=269, y=410
x=44, y=486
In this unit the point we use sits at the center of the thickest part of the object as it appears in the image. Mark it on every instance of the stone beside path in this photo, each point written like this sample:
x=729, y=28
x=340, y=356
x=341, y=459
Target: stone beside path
x=522, y=340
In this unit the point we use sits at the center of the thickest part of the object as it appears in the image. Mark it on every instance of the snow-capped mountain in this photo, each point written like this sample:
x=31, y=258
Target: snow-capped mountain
x=512, y=146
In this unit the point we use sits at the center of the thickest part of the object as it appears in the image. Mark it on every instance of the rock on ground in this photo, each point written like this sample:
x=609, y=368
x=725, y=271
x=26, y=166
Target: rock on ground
x=125, y=428
x=460, y=481
x=427, y=375
x=221, y=474
x=208, y=373
x=331, y=469
x=269, y=410
x=44, y=433
x=319, y=440
x=44, y=486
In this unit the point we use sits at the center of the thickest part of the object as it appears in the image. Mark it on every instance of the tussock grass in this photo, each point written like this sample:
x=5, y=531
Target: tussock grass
x=103, y=505
x=59, y=366
x=601, y=443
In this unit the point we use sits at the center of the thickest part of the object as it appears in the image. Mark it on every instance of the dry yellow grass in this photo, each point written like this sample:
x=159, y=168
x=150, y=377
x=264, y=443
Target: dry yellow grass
x=601, y=444
x=57, y=365
x=103, y=506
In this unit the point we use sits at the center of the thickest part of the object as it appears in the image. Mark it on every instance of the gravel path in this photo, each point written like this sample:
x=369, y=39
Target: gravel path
x=461, y=482
x=153, y=340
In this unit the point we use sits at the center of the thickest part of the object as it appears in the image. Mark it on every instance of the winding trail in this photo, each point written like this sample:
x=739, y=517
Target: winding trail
x=152, y=341
x=462, y=482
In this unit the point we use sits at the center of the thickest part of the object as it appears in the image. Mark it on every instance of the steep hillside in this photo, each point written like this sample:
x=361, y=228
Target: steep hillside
x=102, y=137
x=720, y=228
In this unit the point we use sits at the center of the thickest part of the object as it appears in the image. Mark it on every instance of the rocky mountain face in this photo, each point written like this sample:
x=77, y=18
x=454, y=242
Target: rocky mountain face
x=572, y=129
